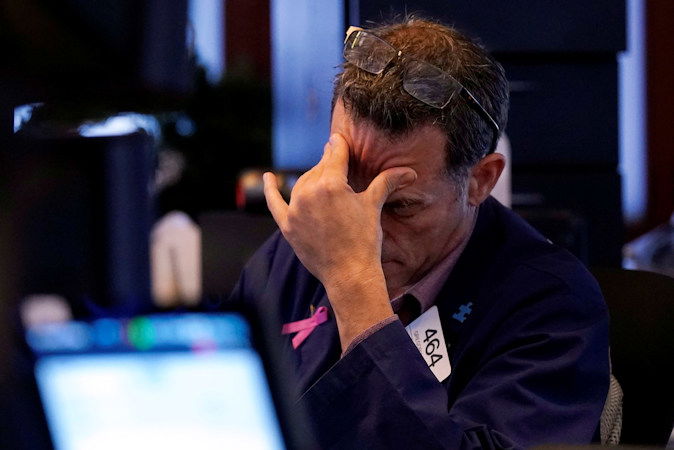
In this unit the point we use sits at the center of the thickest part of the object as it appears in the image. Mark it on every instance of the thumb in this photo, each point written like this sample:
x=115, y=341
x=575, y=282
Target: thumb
x=389, y=181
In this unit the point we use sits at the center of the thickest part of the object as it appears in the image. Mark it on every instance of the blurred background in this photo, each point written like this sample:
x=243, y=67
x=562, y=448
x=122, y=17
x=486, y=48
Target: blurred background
x=133, y=136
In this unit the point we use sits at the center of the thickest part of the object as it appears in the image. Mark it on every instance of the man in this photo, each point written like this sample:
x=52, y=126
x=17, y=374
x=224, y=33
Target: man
x=395, y=223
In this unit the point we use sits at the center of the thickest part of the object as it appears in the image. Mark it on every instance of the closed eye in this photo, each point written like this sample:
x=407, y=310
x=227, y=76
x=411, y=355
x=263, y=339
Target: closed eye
x=403, y=207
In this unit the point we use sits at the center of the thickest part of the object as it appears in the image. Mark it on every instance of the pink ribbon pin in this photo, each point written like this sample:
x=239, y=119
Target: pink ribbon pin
x=305, y=327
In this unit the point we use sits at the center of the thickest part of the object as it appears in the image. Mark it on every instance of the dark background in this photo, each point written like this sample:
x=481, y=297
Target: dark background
x=90, y=59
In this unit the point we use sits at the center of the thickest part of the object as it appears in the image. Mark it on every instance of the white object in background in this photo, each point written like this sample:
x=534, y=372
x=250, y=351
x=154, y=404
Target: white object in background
x=503, y=190
x=206, y=18
x=633, y=118
x=653, y=251
x=175, y=250
x=40, y=309
x=121, y=125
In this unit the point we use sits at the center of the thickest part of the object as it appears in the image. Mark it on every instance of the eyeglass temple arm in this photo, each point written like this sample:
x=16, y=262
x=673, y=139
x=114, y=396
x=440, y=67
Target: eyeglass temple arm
x=350, y=30
x=490, y=120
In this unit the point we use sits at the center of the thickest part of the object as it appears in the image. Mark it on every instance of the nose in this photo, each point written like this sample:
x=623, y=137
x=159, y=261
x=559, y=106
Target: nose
x=387, y=242
x=386, y=226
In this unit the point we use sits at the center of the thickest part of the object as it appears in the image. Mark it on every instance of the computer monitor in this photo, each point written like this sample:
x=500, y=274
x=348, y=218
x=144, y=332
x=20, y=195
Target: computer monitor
x=162, y=381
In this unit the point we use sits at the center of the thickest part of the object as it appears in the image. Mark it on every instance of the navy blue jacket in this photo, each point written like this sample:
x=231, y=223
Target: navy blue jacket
x=529, y=363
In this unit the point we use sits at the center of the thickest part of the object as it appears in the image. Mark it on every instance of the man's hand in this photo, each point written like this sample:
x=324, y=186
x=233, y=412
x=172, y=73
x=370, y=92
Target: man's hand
x=337, y=234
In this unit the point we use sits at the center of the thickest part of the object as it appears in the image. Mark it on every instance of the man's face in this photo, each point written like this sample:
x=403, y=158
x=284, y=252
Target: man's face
x=421, y=223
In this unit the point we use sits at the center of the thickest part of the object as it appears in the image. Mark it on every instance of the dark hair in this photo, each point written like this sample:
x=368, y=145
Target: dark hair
x=381, y=99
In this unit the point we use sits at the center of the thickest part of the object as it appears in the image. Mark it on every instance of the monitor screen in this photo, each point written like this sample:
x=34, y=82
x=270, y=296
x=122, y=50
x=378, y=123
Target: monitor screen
x=180, y=381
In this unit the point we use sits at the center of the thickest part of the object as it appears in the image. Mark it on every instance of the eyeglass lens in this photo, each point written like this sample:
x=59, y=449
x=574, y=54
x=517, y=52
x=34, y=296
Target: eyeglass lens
x=368, y=52
x=429, y=84
x=421, y=80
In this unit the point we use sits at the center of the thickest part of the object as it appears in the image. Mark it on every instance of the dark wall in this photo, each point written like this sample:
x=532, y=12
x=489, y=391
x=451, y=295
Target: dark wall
x=660, y=112
x=521, y=26
x=248, y=44
x=105, y=52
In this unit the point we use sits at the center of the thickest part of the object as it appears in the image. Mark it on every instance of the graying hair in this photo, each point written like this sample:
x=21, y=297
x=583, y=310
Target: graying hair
x=382, y=100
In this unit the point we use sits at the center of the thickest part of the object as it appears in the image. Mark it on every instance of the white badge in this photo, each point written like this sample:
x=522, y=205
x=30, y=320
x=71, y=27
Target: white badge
x=426, y=333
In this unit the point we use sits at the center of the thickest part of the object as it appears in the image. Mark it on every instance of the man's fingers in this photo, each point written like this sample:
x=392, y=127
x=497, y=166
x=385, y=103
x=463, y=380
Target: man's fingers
x=275, y=202
x=337, y=156
x=317, y=170
x=325, y=156
x=388, y=182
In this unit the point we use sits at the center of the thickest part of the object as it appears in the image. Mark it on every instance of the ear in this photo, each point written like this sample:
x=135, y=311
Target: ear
x=483, y=177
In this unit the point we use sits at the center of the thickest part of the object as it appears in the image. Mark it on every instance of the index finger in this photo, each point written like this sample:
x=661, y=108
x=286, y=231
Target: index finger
x=337, y=158
x=275, y=202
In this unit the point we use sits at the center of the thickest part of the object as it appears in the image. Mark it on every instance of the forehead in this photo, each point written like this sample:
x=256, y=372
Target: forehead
x=372, y=150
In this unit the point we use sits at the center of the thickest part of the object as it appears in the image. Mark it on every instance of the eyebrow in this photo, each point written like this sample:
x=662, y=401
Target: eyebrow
x=416, y=198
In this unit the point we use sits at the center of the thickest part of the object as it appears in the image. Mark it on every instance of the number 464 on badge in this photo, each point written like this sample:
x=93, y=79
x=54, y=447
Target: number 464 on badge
x=426, y=333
